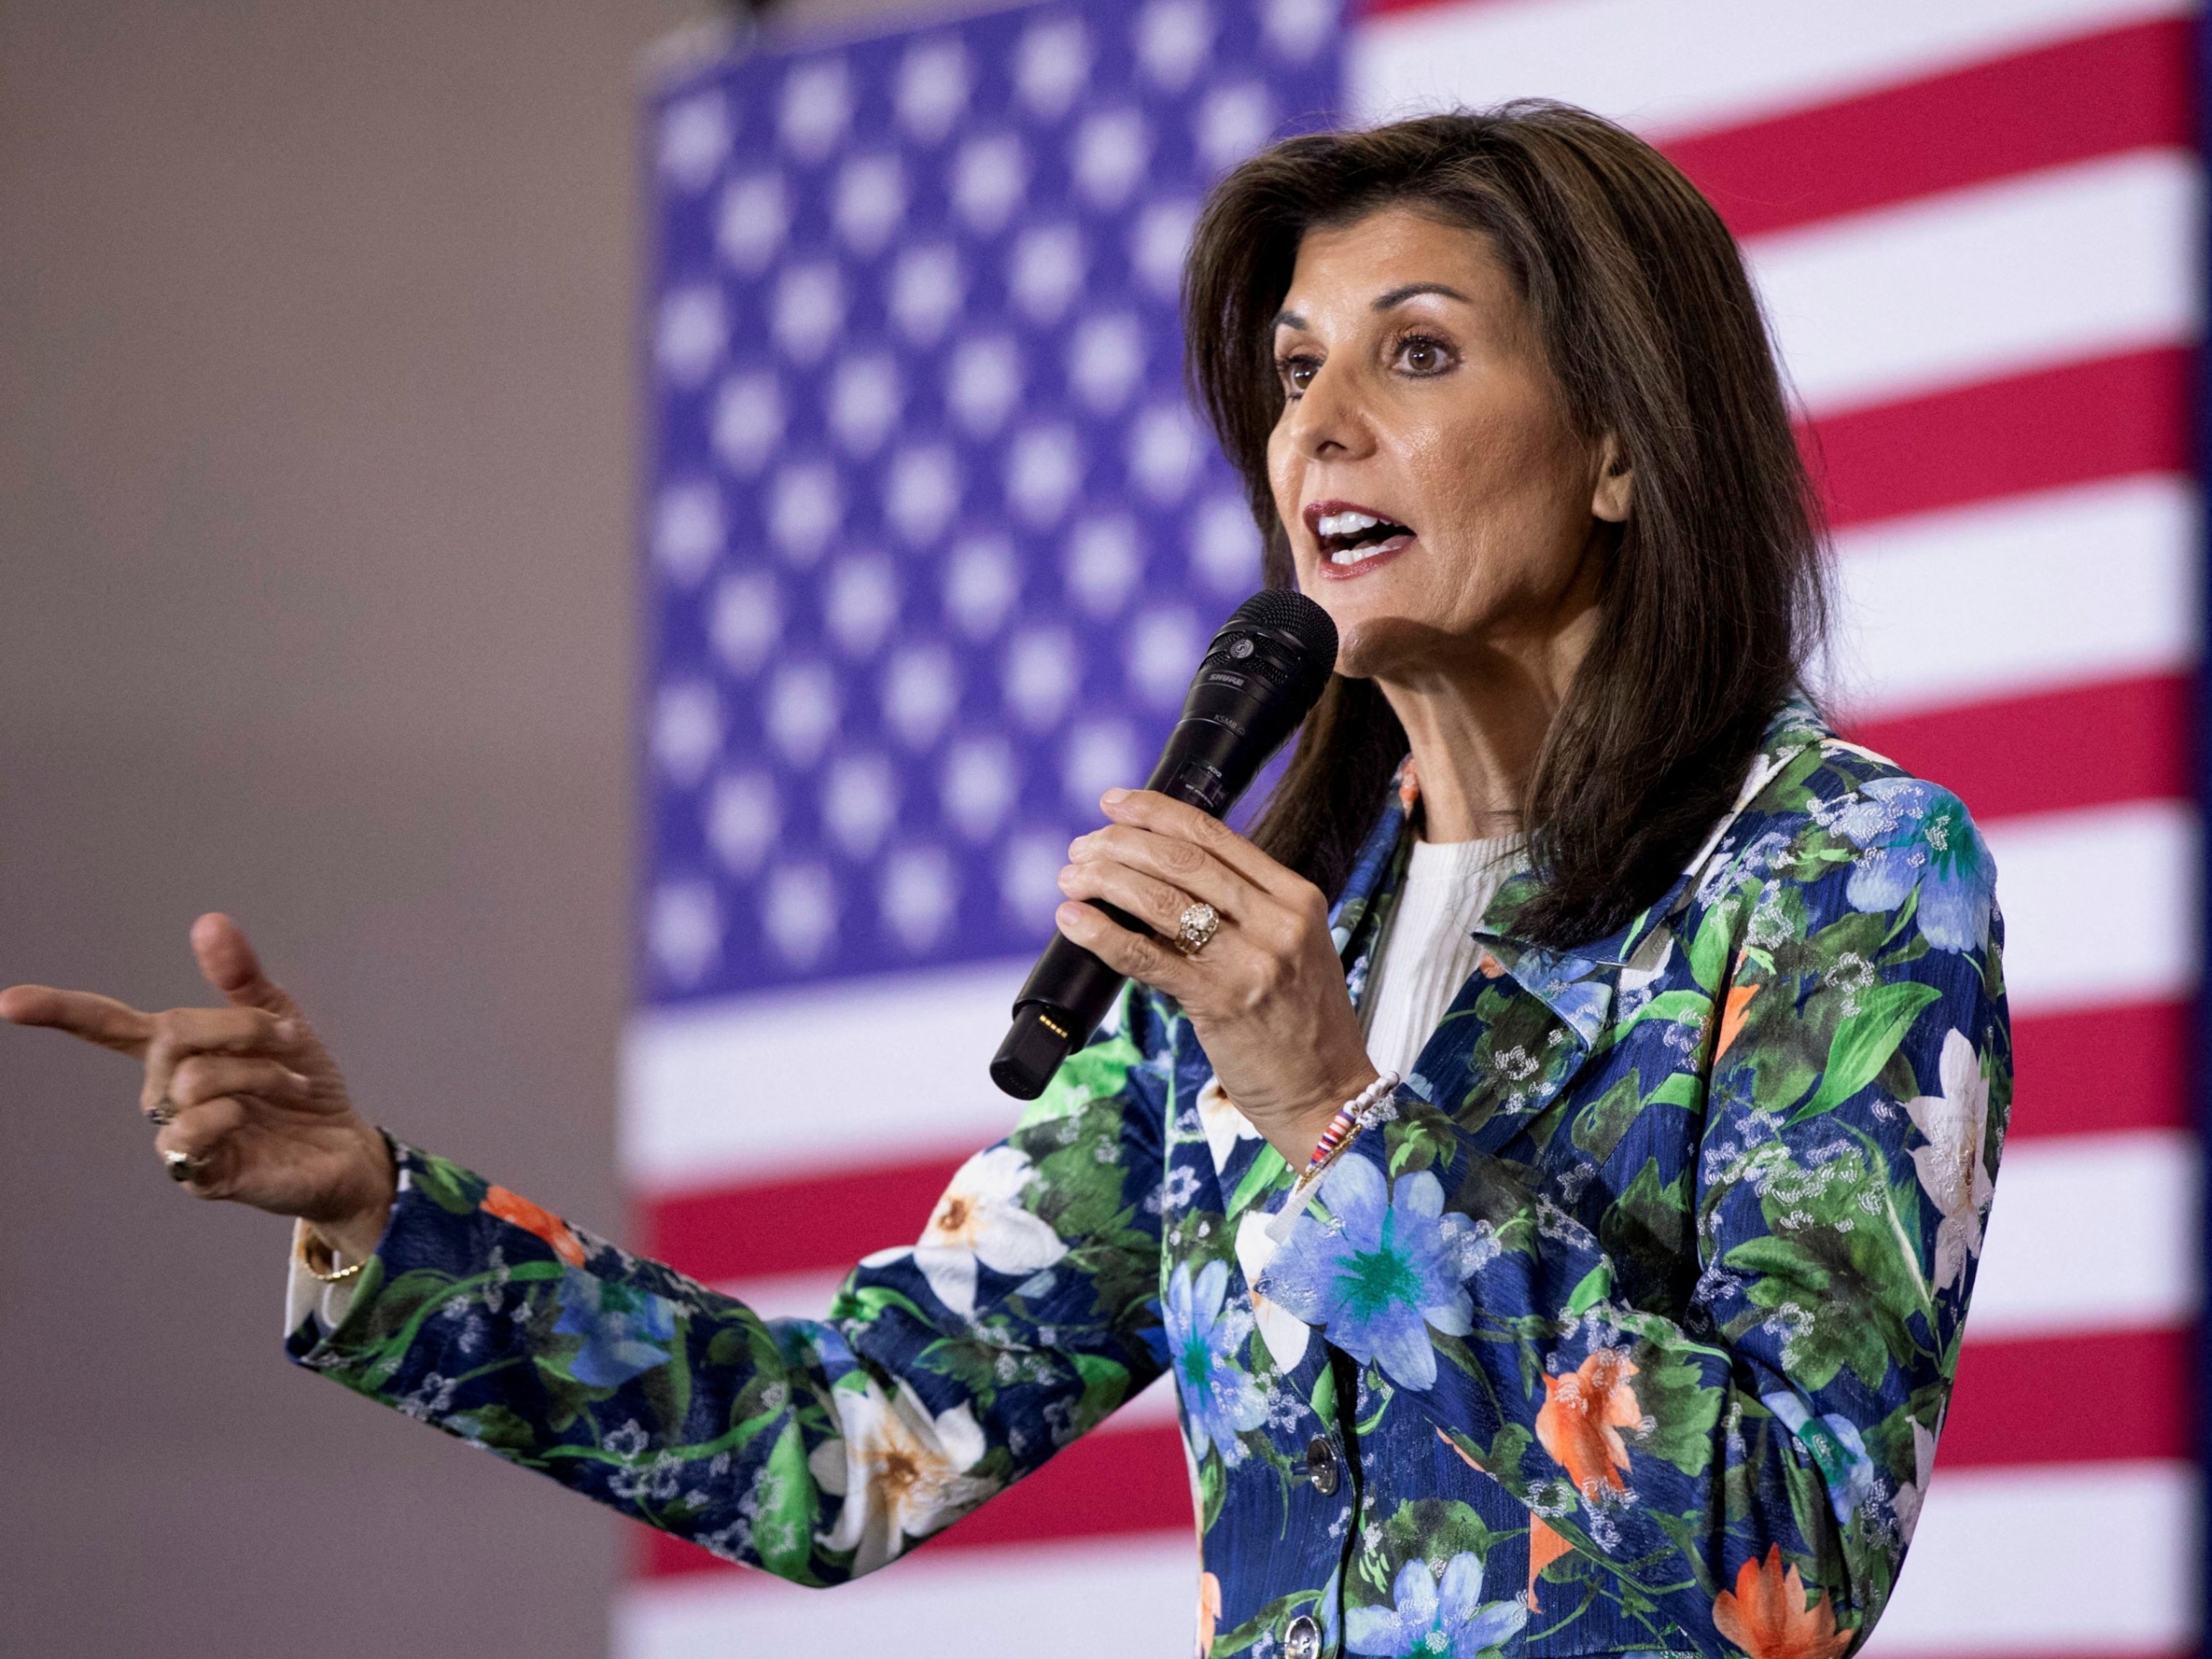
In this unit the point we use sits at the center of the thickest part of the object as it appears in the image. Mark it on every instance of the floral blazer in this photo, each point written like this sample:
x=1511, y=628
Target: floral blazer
x=1628, y=1324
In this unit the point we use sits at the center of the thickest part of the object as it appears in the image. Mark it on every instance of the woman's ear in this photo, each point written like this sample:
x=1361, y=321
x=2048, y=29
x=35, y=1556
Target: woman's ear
x=1616, y=483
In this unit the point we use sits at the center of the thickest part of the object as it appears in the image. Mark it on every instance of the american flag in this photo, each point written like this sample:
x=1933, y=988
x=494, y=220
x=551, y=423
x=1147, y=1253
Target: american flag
x=932, y=543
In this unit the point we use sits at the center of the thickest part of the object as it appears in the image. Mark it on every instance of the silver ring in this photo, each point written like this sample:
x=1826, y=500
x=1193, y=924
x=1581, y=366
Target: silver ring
x=1195, y=928
x=179, y=1164
x=161, y=1113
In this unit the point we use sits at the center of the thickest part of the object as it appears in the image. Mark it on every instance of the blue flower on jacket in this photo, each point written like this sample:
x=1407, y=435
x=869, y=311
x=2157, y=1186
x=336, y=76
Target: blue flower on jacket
x=1219, y=1401
x=1911, y=834
x=1434, y=1617
x=1379, y=1272
x=1837, y=1449
x=623, y=1329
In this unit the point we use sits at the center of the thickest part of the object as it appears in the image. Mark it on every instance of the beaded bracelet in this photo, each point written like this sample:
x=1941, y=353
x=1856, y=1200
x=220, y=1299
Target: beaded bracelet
x=1355, y=1114
x=302, y=1253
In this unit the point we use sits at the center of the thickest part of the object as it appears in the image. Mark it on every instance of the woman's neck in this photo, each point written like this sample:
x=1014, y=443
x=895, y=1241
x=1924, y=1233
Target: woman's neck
x=1477, y=732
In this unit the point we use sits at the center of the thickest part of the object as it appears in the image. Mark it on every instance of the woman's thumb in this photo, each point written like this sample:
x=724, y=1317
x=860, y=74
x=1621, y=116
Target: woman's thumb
x=228, y=960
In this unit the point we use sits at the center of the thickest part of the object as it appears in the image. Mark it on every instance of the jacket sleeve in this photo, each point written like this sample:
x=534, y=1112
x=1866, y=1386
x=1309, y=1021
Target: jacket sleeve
x=818, y=1450
x=1834, y=1090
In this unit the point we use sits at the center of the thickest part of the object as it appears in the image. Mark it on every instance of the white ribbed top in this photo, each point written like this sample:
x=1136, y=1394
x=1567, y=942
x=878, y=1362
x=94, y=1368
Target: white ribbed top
x=1428, y=953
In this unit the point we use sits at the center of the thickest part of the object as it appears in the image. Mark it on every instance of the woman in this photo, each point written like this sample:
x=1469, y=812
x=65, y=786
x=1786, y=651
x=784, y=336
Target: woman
x=1561, y=1243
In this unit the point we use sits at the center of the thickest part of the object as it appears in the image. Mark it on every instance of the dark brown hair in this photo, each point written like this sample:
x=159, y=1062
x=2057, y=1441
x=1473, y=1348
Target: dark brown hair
x=1713, y=593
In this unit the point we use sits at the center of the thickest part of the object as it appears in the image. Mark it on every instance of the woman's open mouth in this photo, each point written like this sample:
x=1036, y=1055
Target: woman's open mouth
x=1351, y=535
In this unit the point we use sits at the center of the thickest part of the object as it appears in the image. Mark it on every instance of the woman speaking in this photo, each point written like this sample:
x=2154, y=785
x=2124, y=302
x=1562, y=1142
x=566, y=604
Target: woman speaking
x=1554, y=1171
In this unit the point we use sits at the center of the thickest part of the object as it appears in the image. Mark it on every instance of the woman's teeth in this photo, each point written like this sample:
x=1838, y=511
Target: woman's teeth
x=1349, y=537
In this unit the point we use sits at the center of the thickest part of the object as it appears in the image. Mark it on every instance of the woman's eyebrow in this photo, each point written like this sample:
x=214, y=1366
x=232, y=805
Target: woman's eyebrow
x=1286, y=319
x=1400, y=295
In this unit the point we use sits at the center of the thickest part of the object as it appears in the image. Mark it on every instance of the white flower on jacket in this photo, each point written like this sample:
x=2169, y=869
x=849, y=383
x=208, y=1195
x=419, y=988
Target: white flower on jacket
x=1283, y=1331
x=980, y=1219
x=1951, y=1168
x=900, y=1471
x=1912, y=1493
x=1225, y=1125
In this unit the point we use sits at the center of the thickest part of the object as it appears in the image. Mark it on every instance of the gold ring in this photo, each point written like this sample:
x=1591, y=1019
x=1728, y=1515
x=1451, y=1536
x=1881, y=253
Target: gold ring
x=1195, y=928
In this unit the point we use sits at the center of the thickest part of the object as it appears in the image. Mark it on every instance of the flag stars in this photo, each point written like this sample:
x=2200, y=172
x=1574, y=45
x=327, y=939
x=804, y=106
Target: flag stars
x=935, y=79
x=748, y=421
x=1051, y=65
x=946, y=500
x=817, y=106
x=746, y=620
x=754, y=219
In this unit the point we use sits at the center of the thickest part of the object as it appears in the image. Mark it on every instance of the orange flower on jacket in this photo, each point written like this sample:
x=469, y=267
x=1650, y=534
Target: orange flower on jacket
x=1545, y=1547
x=1209, y=1612
x=1765, y=1614
x=1732, y=1017
x=514, y=1207
x=1583, y=1415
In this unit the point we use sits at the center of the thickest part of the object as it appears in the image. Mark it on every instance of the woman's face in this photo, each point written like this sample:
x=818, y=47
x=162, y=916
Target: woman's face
x=1438, y=504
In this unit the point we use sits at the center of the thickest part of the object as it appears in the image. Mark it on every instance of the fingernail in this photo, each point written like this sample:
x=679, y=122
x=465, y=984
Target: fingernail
x=1068, y=913
x=288, y=1030
x=1114, y=796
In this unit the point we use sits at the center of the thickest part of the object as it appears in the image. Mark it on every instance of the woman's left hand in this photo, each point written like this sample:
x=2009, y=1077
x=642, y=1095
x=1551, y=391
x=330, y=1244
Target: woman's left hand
x=1266, y=995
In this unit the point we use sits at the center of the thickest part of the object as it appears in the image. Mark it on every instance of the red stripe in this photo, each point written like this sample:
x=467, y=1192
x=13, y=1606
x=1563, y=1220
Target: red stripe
x=2102, y=1071
x=1106, y=1485
x=2103, y=419
x=2126, y=89
x=2069, y=1399
x=795, y=1225
x=2090, y=746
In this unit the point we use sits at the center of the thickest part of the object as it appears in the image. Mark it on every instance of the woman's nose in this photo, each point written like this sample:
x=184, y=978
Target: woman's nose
x=1328, y=418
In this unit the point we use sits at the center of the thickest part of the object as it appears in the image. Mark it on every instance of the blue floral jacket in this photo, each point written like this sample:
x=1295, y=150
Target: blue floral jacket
x=1628, y=1324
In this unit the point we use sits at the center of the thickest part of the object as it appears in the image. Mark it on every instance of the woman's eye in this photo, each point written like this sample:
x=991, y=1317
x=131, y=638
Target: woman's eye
x=1423, y=356
x=1296, y=373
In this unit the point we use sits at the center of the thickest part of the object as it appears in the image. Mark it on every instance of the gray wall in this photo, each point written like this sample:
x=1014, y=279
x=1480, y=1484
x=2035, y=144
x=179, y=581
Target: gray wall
x=317, y=438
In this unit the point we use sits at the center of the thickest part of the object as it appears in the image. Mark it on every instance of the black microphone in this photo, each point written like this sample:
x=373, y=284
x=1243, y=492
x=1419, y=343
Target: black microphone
x=1265, y=669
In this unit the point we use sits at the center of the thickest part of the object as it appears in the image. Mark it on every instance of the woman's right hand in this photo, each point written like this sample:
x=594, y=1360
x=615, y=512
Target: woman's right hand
x=249, y=1104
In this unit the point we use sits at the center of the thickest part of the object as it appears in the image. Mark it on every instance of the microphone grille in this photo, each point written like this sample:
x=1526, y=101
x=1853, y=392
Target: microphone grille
x=1297, y=621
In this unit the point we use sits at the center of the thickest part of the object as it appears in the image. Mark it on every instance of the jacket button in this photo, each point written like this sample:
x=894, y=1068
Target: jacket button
x=1302, y=1639
x=1321, y=1465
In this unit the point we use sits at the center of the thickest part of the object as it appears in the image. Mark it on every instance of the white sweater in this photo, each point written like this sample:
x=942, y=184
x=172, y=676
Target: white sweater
x=1429, y=952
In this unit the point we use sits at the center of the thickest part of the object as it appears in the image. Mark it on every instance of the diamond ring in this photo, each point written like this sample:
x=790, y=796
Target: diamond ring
x=1196, y=926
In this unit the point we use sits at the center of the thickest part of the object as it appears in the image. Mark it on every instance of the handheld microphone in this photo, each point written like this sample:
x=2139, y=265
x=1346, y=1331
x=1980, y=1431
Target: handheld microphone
x=1264, y=670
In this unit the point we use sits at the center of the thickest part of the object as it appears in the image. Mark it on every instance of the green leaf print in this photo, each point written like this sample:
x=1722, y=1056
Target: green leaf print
x=1864, y=1041
x=1682, y=1407
x=783, y=1532
x=1596, y=1285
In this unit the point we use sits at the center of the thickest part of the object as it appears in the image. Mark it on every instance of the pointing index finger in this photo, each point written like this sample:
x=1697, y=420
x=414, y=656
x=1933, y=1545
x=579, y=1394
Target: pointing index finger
x=84, y=1014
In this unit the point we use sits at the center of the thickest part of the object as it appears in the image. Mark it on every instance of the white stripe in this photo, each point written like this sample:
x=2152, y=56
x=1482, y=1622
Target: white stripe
x=1694, y=64
x=2089, y=1233
x=2060, y=265
x=2099, y=905
x=2027, y=594
x=881, y=1070
x=1107, y=1599
x=2100, y=908
x=2097, y=1558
